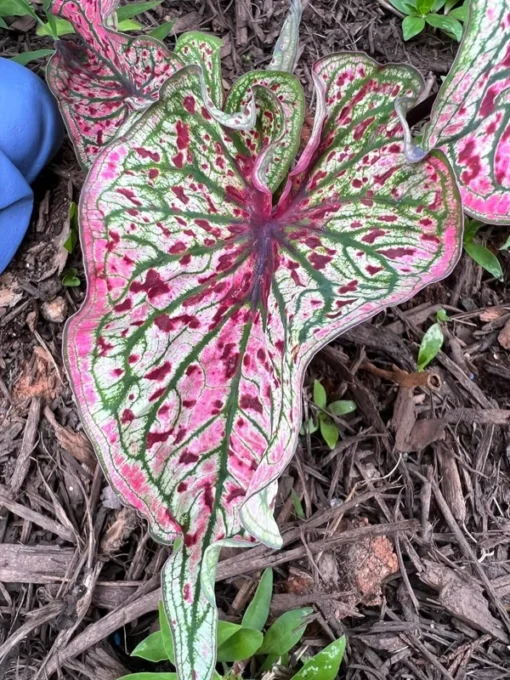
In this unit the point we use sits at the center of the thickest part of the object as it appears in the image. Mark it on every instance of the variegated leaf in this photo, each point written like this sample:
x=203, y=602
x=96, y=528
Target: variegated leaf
x=470, y=120
x=107, y=78
x=206, y=302
x=204, y=49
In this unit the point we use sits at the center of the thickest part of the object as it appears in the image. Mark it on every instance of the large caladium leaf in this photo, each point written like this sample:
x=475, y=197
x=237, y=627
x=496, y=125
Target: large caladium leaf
x=106, y=78
x=207, y=298
x=470, y=120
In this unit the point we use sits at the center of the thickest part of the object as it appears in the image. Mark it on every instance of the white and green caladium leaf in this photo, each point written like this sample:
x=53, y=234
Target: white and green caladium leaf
x=105, y=78
x=207, y=297
x=470, y=120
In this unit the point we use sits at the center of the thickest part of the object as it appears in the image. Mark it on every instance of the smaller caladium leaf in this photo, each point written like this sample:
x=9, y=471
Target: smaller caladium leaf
x=286, y=48
x=470, y=120
x=208, y=298
x=204, y=49
x=107, y=78
x=266, y=151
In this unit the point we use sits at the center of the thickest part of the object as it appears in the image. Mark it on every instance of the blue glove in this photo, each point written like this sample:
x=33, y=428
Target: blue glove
x=31, y=132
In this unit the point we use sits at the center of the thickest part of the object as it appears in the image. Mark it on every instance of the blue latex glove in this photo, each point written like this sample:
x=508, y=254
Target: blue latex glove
x=31, y=132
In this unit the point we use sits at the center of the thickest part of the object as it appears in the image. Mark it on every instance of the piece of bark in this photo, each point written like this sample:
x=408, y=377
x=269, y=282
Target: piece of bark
x=125, y=523
x=27, y=445
x=424, y=433
x=404, y=418
x=463, y=598
x=34, y=564
x=450, y=482
x=504, y=336
x=75, y=443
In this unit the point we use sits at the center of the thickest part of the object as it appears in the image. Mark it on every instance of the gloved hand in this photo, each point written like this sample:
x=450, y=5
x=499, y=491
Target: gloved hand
x=31, y=132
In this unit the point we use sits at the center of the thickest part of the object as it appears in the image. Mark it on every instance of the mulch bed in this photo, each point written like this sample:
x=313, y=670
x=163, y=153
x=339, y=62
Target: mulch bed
x=406, y=543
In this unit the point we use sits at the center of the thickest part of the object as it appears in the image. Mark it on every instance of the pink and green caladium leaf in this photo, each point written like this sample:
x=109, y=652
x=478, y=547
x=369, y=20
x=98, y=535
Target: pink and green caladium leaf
x=106, y=78
x=207, y=299
x=204, y=49
x=470, y=120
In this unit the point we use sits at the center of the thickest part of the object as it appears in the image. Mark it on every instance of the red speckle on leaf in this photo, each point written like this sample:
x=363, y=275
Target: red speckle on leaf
x=178, y=160
x=179, y=192
x=371, y=269
x=187, y=458
x=129, y=194
x=153, y=173
x=117, y=372
x=319, y=261
x=188, y=403
x=127, y=416
x=235, y=493
x=157, y=394
x=471, y=160
x=182, y=487
x=396, y=252
x=182, y=135
x=153, y=286
x=133, y=358
x=189, y=104
x=123, y=306
x=160, y=372
x=103, y=345
x=146, y=153
x=487, y=105
x=348, y=288
x=373, y=235
x=157, y=437
x=249, y=402
x=431, y=238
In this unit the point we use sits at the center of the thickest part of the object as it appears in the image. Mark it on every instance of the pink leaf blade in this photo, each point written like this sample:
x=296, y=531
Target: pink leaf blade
x=470, y=120
x=205, y=304
x=204, y=49
x=104, y=82
x=280, y=106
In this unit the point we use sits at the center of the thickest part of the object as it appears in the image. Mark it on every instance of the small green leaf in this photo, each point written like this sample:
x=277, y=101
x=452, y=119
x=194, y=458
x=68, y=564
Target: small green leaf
x=325, y=664
x=129, y=25
x=411, y=26
x=483, y=256
x=442, y=315
x=4, y=25
x=342, y=407
x=17, y=8
x=506, y=244
x=163, y=31
x=136, y=8
x=309, y=428
x=423, y=7
x=26, y=57
x=447, y=24
x=257, y=611
x=471, y=228
x=285, y=632
x=70, y=278
x=226, y=630
x=72, y=239
x=449, y=4
x=329, y=430
x=168, y=642
x=298, y=506
x=241, y=645
x=61, y=27
x=437, y=5
x=460, y=13
x=152, y=648
x=52, y=19
x=150, y=676
x=320, y=398
x=272, y=659
x=404, y=6
x=430, y=345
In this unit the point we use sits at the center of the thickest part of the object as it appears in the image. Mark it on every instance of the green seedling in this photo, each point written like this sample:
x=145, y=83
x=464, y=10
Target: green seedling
x=480, y=254
x=432, y=341
x=324, y=422
x=242, y=642
x=71, y=278
x=445, y=15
